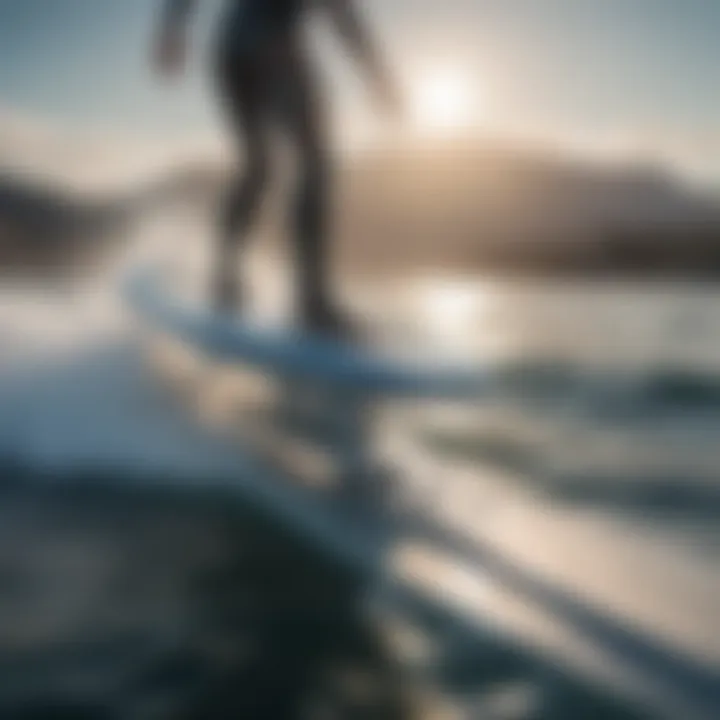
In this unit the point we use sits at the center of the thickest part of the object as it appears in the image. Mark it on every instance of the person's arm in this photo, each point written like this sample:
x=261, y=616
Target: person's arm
x=171, y=43
x=352, y=29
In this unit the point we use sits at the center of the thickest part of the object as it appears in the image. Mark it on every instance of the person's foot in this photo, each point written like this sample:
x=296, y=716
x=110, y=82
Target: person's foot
x=225, y=294
x=330, y=322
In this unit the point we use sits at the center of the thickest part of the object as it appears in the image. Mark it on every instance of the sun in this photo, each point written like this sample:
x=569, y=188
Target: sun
x=445, y=99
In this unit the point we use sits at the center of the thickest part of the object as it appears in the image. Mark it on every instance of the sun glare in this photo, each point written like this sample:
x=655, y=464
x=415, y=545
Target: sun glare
x=446, y=100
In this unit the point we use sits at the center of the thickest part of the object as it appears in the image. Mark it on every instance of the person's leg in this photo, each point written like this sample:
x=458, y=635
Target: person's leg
x=242, y=91
x=301, y=115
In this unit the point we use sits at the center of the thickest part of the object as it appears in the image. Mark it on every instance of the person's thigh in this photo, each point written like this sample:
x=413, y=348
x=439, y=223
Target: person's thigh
x=298, y=109
x=243, y=98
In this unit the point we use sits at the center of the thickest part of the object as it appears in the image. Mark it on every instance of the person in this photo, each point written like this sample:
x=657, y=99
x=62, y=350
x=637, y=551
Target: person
x=265, y=76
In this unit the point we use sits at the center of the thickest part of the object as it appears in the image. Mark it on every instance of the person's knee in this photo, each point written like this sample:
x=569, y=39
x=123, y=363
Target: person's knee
x=244, y=198
x=315, y=169
x=256, y=174
x=314, y=183
x=250, y=183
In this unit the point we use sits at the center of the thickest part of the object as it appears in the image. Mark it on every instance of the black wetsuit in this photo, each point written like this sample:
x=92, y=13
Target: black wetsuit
x=250, y=22
x=265, y=78
x=247, y=20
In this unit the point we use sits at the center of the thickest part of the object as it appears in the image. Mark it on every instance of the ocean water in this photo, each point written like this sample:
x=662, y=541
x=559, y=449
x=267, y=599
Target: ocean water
x=606, y=393
x=588, y=380
x=603, y=405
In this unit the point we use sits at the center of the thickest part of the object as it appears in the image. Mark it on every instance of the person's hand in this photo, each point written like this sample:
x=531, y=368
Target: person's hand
x=388, y=96
x=170, y=52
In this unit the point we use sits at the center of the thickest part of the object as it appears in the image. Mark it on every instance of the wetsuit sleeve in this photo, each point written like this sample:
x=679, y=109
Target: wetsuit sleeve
x=349, y=24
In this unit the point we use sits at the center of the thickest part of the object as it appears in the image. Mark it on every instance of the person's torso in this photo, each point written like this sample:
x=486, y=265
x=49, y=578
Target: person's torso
x=252, y=23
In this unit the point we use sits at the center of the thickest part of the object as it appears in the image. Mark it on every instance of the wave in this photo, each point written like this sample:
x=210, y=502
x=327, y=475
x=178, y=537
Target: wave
x=680, y=390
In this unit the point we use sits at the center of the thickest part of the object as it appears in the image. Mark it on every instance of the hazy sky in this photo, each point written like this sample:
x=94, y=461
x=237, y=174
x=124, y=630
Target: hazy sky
x=648, y=70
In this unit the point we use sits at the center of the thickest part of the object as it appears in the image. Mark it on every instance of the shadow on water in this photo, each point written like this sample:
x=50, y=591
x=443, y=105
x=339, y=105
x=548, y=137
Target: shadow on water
x=657, y=495
x=665, y=496
x=164, y=604
x=700, y=686
x=617, y=395
x=120, y=605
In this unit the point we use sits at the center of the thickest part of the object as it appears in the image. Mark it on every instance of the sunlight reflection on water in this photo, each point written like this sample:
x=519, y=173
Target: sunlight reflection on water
x=613, y=379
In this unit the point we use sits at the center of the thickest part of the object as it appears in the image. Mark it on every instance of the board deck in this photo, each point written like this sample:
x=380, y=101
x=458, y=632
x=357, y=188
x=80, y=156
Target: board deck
x=293, y=355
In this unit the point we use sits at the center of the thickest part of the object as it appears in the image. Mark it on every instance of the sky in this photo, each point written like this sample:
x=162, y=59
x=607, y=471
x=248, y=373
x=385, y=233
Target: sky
x=607, y=74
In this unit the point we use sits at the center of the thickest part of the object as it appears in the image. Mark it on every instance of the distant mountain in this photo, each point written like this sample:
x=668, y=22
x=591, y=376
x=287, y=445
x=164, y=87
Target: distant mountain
x=45, y=230
x=48, y=230
x=472, y=205
x=68, y=195
x=468, y=205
